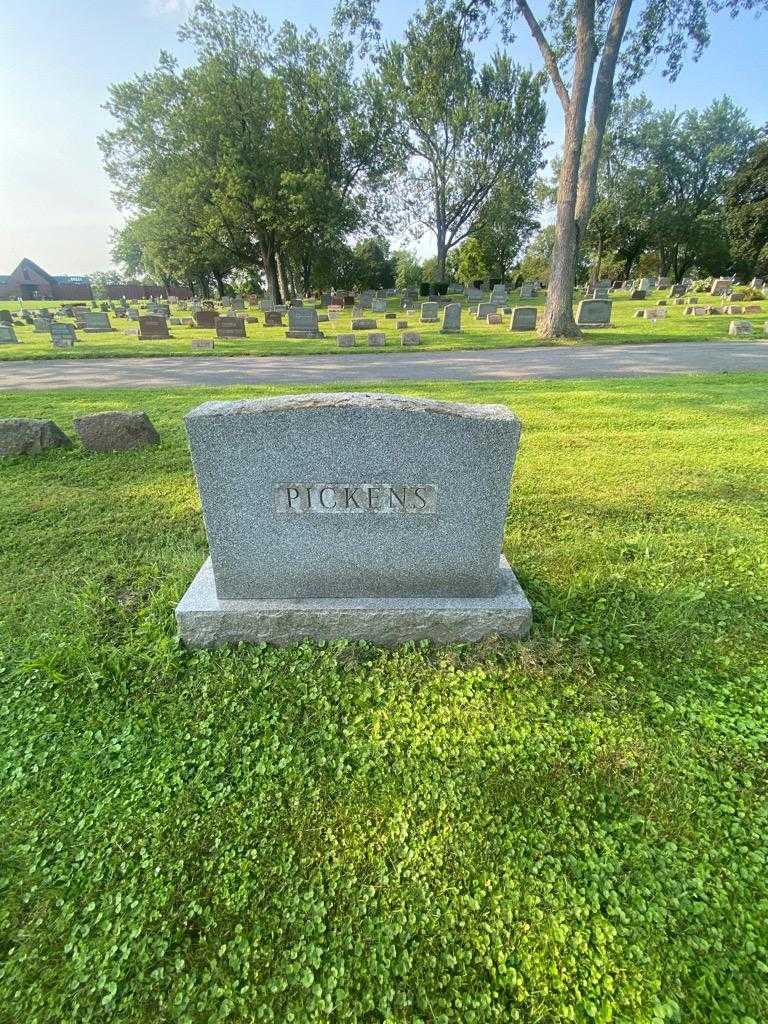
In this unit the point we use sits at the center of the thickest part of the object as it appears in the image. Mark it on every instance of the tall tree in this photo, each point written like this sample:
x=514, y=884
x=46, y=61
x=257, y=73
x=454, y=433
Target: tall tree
x=463, y=128
x=267, y=141
x=690, y=159
x=746, y=208
x=584, y=44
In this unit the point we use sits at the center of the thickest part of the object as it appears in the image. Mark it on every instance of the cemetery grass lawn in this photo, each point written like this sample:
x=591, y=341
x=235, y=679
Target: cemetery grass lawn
x=271, y=341
x=574, y=828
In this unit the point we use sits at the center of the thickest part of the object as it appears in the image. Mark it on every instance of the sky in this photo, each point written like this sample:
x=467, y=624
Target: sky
x=57, y=61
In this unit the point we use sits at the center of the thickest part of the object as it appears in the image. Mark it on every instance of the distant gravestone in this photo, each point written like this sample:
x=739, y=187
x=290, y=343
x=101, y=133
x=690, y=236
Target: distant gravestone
x=364, y=324
x=41, y=325
x=740, y=329
x=202, y=343
x=429, y=311
x=494, y=319
x=594, y=313
x=408, y=338
x=523, y=318
x=115, y=431
x=238, y=302
x=344, y=515
x=645, y=284
x=7, y=335
x=132, y=313
x=474, y=294
x=499, y=294
x=96, y=323
x=451, y=319
x=377, y=339
x=638, y=294
x=273, y=318
x=153, y=328
x=401, y=325
x=303, y=323
x=206, y=318
x=5, y=316
x=378, y=305
x=527, y=290
x=345, y=340
x=30, y=437
x=721, y=286
x=484, y=308
x=654, y=313
x=230, y=327
x=63, y=335
x=696, y=311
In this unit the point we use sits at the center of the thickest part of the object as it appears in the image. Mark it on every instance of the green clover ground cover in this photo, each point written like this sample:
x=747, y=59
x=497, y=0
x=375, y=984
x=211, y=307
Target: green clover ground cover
x=570, y=829
x=271, y=341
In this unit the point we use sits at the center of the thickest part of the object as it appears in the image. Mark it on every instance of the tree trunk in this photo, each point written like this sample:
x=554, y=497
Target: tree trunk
x=442, y=253
x=269, y=266
x=558, y=321
x=219, y=283
x=594, y=274
x=286, y=292
x=306, y=273
x=599, y=267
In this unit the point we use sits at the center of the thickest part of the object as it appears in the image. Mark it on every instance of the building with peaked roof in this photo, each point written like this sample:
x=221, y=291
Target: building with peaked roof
x=28, y=281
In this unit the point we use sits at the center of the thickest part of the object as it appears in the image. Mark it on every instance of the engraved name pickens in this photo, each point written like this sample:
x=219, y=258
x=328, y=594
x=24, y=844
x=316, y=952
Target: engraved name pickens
x=381, y=498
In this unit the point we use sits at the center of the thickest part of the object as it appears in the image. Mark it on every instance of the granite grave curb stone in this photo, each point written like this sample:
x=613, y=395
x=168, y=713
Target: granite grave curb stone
x=116, y=431
x=365, y=516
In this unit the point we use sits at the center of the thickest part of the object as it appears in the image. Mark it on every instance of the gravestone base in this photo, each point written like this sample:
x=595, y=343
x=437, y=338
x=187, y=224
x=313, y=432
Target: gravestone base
x=304, y=334
x=205, y=621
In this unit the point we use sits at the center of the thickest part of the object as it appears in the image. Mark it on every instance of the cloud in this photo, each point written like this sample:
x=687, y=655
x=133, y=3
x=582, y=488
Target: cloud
x=165, y=8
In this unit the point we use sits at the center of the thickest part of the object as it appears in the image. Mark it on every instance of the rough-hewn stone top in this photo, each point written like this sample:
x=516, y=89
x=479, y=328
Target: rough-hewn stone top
x=354, y=399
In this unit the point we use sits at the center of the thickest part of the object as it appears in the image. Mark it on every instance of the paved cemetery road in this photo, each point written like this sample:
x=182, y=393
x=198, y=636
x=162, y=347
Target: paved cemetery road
x=488, y=365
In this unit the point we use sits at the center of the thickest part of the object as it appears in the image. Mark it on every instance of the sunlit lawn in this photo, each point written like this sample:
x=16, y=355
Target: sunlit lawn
x=475, y=334
x=570, y=829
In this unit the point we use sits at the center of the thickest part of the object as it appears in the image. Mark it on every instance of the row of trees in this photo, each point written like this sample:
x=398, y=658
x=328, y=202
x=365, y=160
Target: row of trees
x=274, y=149
x=662, y=188
x=269, y=152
